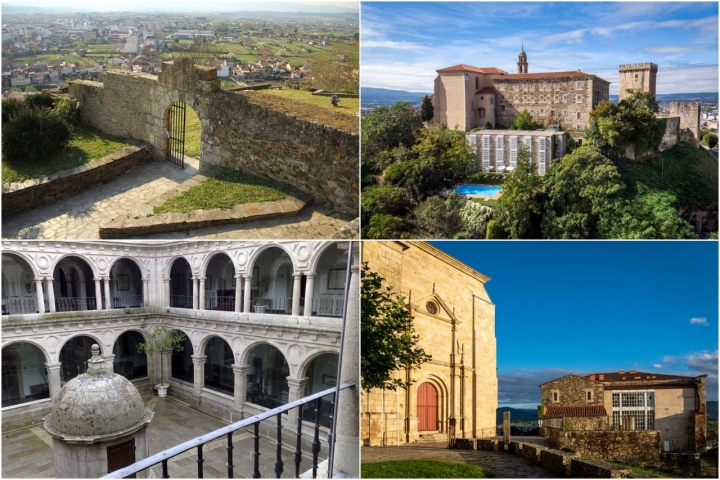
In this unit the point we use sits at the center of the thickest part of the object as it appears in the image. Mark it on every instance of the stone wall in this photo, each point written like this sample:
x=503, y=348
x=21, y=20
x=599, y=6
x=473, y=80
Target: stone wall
x=18, y=197
x=312, y=149
x=641, y=447
x=572, y=391
x=638, y=76
x=672, y=133
x=689, y=114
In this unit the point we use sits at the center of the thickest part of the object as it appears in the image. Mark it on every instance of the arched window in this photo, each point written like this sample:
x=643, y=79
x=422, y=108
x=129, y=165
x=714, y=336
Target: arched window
x=322, y=374
x=267, y=384
x=477, y=83
x=24, y=378
x=74, y=356
x=128, y=362
x=182, y=367
x=181, y=289
x=219, y=374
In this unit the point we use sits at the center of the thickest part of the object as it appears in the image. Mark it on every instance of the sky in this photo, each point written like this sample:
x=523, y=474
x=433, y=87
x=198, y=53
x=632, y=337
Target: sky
x=593, y=307
x=403, y=43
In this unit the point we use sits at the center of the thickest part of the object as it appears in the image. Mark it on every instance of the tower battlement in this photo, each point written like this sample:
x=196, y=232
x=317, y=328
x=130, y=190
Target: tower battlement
x=637, y=66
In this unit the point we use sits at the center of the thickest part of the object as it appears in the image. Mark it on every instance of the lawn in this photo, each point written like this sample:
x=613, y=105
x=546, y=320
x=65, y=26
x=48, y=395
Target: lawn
x=226, y=190
x=87, y=144
x=487, y=203
x=192, y=133
x=347, y=106
x=422, y=469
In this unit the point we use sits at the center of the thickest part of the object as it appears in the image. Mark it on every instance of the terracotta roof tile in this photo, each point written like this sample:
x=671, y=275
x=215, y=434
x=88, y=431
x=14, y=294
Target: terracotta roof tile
x=467, y=68
x=486, y=90
x=633, y=376
x=575, y=411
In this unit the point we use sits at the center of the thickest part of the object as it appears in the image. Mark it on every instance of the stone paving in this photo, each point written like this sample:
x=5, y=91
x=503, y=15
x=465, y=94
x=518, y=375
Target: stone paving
x=79, y=216
x=27, y=453
x=503, y=465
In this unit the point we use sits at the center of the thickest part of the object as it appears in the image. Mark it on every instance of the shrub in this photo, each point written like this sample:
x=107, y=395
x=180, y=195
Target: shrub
x=475, y=218
x=711, y=139
x=440, y=217
x=11, y=108
x=69, y=111
x=40, y=101
x=33, y=135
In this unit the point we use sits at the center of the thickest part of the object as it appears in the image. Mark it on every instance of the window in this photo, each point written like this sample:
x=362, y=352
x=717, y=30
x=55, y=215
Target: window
x=579, y=98
x=579, y=115
x=636, y=76
x=542, y=110
x=556, y=396
x=336, y=279
x=557, y=98
x=564, y=98
x=431, y=308
x=477, y=83
x=502, y=108
x=557, y=85
x=492, y=101
x=579, y=127
x=579, y=84
x=589, y=395
x=486, y=153
x=552, y=113
x=542, y=97
x=639, y=404
x=524, y=98
x=481, y=112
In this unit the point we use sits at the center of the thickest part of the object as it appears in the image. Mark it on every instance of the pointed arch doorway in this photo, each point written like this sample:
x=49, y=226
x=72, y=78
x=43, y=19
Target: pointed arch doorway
x=427, y=407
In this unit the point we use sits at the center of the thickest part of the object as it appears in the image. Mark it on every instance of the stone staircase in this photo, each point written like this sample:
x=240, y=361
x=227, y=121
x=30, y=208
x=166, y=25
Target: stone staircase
x=432, y=437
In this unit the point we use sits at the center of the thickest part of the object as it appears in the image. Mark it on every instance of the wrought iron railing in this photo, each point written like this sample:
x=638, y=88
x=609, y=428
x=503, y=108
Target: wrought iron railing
x=225, y=304
x=127, y=301
x=271, y=305
x=164, y=456
x=328, y=307
x=181, y=301
x=18, y=306
x=72, y=304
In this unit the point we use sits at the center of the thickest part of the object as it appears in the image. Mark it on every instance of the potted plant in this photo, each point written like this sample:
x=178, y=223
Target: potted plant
x=162, y=339
x=262, y=286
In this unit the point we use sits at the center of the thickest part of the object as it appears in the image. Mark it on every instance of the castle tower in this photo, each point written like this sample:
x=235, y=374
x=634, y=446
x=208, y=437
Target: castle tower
x=639, y=76
x=522, y=61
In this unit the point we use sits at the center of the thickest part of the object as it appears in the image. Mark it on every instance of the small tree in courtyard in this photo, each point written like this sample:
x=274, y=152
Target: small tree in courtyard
x=388, y=340
x=162, y=339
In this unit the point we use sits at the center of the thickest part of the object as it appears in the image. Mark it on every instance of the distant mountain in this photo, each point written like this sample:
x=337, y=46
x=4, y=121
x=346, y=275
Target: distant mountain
x=517, y=415
x=712, y=410
x=702, y=97
x=376, y=97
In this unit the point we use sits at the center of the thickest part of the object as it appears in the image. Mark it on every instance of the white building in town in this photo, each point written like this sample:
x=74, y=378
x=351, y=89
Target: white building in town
x=497, y=150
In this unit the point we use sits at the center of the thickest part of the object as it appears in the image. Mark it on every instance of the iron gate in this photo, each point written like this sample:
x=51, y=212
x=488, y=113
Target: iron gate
x=176, y=134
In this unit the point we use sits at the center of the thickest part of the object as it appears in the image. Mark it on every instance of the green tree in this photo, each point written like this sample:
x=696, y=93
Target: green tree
x=651, y=214
x=388, y=342
x=385, y=199
x=440, y=217
x=581, y=189
x=421, y=177
x=448, y=148
x=525, y=121
x=427, y=110
x=383, y=225
x=388, y=127
x=162, y=339
x=519, y=210
x=711, y=139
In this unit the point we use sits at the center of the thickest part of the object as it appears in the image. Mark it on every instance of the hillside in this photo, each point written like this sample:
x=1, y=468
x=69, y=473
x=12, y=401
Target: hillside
x=689, y=172
x=517, y=415
x=376, y=97
x=712, y=410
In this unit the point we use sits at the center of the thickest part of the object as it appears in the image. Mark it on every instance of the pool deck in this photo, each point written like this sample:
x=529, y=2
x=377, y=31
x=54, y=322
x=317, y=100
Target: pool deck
x=470, y=195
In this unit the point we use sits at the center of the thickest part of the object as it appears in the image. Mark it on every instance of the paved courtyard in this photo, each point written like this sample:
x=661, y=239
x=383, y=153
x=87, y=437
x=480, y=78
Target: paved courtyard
x=27, y=453
x=503, y=465
x=131, y=194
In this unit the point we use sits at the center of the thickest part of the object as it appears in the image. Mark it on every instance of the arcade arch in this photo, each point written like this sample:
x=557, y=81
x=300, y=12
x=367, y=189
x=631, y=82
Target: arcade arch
x=24, y=378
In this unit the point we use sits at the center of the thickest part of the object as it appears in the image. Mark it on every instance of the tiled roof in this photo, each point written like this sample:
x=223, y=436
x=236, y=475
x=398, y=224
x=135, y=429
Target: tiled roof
x=633, y=376
x=486, y=90
x=532, y=76
x=468, y=68
x=575, y=411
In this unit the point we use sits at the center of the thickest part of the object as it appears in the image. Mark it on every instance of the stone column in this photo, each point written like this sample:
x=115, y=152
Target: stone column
x=199, y=363
x=347, y=427
x=108, y=300
x=146, y=292
x=297, y=283
x=109, y=362
x=166, y=370
x=238, y=292
x=53, y=371
x=296, y=391
x=50, y=288
x=240, y=372
x=309, y=287
x=201, y=302
x=98, y=294
x=166, y=302
x=195, y=293
x=40, y=296
x=248, y=288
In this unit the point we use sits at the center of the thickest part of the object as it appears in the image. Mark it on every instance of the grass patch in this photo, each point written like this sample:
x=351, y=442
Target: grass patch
x=226, y=190
x=347, y=106
x=644, y=472
x=87, y=144
x=192, y=133
x=482, y=201
x=422, y=469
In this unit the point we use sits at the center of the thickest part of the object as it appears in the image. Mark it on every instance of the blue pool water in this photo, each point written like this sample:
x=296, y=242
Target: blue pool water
x=485, y=190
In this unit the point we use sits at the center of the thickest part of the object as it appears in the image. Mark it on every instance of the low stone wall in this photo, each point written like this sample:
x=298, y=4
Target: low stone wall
x=640, y=447
x=18, y=197
x=584, y=468
x=556, y=461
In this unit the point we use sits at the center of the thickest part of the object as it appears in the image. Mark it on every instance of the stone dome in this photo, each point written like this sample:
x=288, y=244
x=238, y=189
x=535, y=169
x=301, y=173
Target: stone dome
x=96, y=404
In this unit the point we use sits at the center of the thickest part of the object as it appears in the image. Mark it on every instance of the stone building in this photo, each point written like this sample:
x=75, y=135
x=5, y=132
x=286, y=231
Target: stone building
x=470, y=97
x=638, y=76
x=455, y=320
x=673, y=405
x=262, y=320
x=497, y=150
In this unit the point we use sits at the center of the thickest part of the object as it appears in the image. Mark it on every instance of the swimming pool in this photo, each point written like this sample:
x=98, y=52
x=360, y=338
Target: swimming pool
x=484, y=190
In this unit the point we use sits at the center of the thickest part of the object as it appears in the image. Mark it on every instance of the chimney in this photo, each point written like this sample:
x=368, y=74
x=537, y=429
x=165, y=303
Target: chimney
x=632, y=372
x=602, y=377
x=592, y=377
x=621, y=372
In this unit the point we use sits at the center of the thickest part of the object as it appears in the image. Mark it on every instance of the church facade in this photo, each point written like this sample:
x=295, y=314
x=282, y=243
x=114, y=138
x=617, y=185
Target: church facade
x=455, y=320
x=470, y=97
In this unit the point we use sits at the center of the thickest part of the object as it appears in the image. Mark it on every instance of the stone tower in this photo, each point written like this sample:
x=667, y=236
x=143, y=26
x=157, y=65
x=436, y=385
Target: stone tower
x=522, y=61
x=639, y=76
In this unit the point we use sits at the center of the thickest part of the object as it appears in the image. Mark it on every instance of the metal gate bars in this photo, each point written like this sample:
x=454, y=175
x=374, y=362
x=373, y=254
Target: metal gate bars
x=176, y=134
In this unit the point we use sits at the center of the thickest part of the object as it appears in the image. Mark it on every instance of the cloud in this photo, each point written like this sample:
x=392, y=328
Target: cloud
x=521, y=388
x=657, y=365
x=699, y=321
x=697, y=363
x=667, y=50
x=395, y=45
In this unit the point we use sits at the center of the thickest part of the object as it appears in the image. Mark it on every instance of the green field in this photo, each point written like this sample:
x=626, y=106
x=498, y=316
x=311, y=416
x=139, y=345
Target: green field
x=347, y=106
x=422, y=469
x=87, y=144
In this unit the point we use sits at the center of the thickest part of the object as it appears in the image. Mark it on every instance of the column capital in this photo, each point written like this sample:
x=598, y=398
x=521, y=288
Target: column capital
x=241, y=369
x=297, y=382
x=198, y=359
x=298, y=274
x=53, y=366
x=310, y=275
x=49, y=279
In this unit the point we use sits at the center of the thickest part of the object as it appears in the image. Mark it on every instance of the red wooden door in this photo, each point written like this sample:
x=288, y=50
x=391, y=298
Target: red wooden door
x=427, y=407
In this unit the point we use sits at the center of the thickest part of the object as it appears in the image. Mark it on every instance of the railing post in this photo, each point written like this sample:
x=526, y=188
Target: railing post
x=256, y=450
x=278, y=442
x=230, y=455
x=316, y=438
x=165, y=473
x=200, y=461
x=298, y=445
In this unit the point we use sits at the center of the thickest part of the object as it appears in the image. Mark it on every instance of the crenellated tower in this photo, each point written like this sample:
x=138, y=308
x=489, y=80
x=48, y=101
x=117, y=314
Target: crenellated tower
x=638, y=76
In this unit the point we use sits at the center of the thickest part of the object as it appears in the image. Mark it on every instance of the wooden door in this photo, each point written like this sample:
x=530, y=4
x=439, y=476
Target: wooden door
x=427, y=403
x=121, y=455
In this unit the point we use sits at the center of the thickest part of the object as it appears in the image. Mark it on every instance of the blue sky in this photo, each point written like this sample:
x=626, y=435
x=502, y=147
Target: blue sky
x=403, y=43
x=589, y=307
